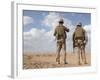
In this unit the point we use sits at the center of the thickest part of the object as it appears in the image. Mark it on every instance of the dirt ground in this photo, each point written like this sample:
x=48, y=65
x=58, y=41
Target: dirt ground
x=45, y=60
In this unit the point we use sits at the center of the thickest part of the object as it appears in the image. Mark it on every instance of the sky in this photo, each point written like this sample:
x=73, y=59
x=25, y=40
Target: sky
x=38, y=29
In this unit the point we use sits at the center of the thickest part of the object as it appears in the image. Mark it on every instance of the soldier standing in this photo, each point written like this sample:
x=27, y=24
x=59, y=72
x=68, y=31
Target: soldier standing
x=79, y=40
x=60, y=34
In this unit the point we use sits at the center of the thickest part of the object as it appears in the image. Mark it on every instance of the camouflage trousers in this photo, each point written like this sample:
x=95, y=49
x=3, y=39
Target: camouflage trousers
x=81, y=50
x=61, y=44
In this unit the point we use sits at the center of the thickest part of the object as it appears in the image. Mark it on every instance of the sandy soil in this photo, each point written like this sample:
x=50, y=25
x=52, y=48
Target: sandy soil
x=38, y=61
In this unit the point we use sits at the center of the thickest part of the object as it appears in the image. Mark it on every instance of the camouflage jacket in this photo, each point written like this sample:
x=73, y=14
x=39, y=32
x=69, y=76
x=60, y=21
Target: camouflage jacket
x=79, y=33
x=60, y=32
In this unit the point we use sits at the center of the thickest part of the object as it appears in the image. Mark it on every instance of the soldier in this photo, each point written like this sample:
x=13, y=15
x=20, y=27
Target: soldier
x=79, y=40
x=60, y=34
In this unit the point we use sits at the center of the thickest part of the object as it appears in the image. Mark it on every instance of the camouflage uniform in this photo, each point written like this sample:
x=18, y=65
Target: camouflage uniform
x=80, y=40
x=60, y=34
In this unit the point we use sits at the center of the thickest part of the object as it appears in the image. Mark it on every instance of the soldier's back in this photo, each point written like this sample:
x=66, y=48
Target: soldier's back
x=79, y=32
x=60, y=30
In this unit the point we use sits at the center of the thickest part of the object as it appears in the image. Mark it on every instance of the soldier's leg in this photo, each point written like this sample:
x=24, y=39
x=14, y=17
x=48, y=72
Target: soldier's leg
x=84, y=56
x=58, y=53
x=65, y=55
x=79, y=52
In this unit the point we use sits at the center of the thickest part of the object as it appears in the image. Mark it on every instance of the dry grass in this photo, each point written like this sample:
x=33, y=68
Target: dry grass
x=36, y=61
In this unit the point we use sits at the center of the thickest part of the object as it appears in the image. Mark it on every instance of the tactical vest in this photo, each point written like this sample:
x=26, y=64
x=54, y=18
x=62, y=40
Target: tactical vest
x=79, y=33
x=60, y=32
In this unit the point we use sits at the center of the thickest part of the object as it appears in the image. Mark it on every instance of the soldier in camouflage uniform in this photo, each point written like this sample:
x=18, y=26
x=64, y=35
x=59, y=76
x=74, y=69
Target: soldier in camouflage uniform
x=79, y=41
x=60, y=34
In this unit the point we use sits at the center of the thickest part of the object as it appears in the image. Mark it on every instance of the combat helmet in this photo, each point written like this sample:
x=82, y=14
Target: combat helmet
x=61, y=21
x=79, y=24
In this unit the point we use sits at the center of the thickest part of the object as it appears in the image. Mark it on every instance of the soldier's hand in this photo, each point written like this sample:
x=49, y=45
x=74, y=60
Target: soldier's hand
x=67, y=30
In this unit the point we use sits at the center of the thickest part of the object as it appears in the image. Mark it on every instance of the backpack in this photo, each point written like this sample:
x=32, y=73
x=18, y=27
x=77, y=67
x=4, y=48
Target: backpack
x=79, y=33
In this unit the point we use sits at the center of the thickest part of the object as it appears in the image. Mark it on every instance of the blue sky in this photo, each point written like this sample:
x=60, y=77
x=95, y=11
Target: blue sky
x=38, y=29
x=38, y=17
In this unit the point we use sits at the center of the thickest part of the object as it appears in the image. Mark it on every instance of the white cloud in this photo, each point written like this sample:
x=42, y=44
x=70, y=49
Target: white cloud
x=39, y=40
x=28, y=20
x=87, y=28
x=51, y=20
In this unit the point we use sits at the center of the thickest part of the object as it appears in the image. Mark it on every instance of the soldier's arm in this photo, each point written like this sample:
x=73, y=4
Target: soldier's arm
x=66, y=29
x=73, y=36
x=73, y=39
x=86, y=37
x=55, y=33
